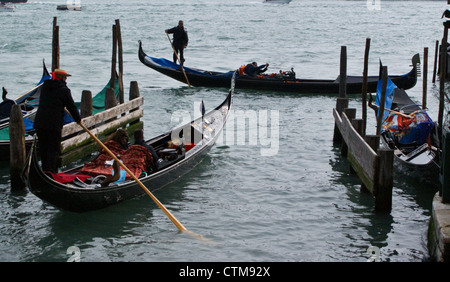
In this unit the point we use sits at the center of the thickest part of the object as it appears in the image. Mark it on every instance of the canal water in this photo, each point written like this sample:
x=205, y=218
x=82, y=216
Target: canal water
x=275, y=189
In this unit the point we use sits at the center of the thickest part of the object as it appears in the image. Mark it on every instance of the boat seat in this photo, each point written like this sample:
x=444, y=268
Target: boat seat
x=168, y=153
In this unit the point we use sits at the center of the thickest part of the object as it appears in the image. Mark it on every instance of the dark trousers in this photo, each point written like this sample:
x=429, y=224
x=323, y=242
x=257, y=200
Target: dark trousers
x=49, y=148
x=178, y=50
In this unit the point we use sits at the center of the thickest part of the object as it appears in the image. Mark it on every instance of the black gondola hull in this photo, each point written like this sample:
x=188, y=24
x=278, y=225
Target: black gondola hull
x=203, y=78
x=82, y=199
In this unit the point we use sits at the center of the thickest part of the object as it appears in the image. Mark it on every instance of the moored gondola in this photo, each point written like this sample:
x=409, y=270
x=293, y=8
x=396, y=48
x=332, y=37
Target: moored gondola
x=193, y=141
x=409, y=132
x=28, y=101
x=284, y=81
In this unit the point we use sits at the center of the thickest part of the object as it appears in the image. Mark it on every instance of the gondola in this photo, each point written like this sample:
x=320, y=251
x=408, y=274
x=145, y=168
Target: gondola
x=29, y=103
x=284, y=81
x=199, y=136
x=408, y=131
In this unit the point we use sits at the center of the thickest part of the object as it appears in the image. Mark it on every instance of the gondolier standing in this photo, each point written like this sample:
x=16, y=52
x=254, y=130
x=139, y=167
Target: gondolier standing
x=180, y=41
x=55, y=96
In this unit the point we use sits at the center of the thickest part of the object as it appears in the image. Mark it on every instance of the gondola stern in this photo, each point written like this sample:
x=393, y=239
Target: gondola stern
x=141, y=53
x=416, y=66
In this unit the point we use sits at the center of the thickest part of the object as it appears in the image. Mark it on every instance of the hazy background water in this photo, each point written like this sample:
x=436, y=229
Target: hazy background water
x=297, y=201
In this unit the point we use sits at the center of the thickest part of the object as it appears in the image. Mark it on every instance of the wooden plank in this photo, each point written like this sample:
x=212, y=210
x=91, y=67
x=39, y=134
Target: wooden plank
x=73, y=127
x=122, y=121
x=367, y=180
x=361, y=152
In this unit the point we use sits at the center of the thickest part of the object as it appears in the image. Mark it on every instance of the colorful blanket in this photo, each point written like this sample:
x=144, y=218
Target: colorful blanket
x=409, y=130
x=136, y=158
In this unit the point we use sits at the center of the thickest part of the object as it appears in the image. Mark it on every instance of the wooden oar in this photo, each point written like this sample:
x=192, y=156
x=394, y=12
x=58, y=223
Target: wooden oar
x=374, y=107
x=32, y=89
x=161, y=206
x=176, y=54
x=398, y=113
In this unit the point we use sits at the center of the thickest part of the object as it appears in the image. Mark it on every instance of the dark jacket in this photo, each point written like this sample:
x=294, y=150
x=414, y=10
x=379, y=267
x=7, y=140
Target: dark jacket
x=251, y=70
x=152, y=151
x=55, y=96
x=180, y=36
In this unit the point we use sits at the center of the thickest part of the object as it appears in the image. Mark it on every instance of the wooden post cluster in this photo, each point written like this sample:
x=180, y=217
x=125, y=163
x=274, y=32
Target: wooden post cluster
x=373, y=165
x=77, y=143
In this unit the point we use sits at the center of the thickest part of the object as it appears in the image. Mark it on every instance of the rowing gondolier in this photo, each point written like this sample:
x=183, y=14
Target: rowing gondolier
x=180, y=41
x=55, y=96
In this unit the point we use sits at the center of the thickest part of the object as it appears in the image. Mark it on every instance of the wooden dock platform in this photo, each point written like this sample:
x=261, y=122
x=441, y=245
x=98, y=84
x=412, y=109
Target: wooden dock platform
x=373, y=165
x=439, y=231
x=439, y=224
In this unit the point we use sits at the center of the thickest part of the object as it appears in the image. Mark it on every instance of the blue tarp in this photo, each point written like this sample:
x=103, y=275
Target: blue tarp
x=389, y=95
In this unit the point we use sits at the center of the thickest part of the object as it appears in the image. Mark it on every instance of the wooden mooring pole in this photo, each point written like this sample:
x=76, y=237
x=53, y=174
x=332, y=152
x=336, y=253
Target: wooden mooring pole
x=444, y=191
x=364, y=87
x=114, y=57
x=120, y=57
x=342, y=100
x=86, y=107
x=117, y=55
x=16, y=148
x=55, y=45
x=343, y=73
x=425, y=77
x=442, y=75
x=436, y=52
x=382, y=100
x=383, y=193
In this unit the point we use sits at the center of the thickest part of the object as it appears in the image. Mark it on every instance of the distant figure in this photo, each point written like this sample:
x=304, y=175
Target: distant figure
x=180, y=41
x=139, y=140
x=55, y=96
x=254, y=70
